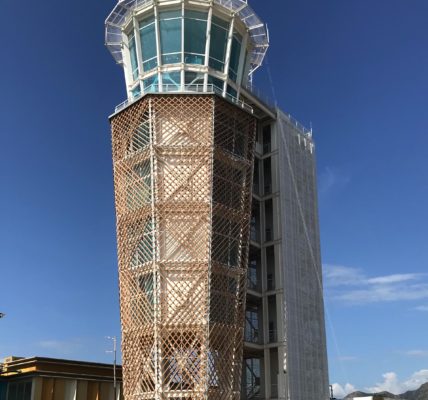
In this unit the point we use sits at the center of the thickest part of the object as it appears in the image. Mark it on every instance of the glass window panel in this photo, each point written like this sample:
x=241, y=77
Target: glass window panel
x=190, y=58
x=171, y=80
x=170, y=32
x=232, y=91
x=194, y=78
x=170, y=14
x=133, y=54
x=136, y=92
x=195, y=38
x=148, y=44
x=147, y=21
x=150, y=84
x=150, y=64
x=217, y=83
x=234, y=57
x=220, y=22
x=218, y=47
x=196, y=14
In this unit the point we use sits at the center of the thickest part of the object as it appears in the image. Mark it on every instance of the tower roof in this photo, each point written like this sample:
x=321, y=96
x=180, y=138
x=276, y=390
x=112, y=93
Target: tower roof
x=124, y=10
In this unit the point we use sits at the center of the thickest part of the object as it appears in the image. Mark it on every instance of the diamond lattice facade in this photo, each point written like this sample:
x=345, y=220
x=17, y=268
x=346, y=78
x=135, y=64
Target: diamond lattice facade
x=183, y=174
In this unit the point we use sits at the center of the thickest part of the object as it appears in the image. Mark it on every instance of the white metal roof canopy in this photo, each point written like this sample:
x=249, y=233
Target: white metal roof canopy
x=124, y=9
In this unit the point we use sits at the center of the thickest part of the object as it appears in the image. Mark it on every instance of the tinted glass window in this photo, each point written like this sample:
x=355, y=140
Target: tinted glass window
x=171, y=80
x=195, y=29
x=150, y=84
x=170, y=33
x=148, y=43
x=234, y=57
x=133, y=54
x=218, y=44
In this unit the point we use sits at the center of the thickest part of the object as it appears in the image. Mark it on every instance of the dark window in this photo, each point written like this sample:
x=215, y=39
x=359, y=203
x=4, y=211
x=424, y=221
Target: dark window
x=266, y=139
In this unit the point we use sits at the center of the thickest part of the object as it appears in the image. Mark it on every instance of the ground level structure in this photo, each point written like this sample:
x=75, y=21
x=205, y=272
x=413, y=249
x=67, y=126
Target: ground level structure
x=41, y=378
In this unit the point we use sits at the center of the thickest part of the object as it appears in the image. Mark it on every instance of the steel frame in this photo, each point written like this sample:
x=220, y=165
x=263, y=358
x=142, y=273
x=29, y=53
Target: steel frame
x=183, y=169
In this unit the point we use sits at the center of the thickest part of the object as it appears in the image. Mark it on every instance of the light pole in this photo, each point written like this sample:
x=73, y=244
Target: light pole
x=114, y=362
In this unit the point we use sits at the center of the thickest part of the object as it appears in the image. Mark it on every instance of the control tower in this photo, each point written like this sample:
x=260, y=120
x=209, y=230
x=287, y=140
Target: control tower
x=184, y=156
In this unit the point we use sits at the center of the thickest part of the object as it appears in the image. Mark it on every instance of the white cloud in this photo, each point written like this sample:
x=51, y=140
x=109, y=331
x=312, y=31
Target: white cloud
x=340, y=391
x=64, y=347
x=351, y=285
x=422, y=308
x=392, y=384
x=337, y=275
x=347, y=358
x=331, y=178
x=416, y=353
x=382, y=280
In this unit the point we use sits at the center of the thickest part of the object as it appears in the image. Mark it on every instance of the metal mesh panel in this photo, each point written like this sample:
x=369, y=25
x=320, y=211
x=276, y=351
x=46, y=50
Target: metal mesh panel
x=304, y=311
x=183, y=173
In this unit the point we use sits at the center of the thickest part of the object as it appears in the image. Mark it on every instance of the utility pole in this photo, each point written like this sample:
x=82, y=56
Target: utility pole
x=114, y=351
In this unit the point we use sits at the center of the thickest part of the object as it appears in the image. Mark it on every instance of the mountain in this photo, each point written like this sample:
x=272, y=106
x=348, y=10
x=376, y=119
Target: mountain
x=381, y=395
x=419, y=394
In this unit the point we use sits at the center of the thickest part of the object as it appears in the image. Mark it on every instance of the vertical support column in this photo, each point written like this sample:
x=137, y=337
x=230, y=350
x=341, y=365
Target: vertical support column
x=208, y=45
x=156, y=277
x=138, y=45
x=228, y=53
x=267, y=373
x=242, y=62
x=138, y=48
x=158, y=45
x=182, y=44
x=127, y=67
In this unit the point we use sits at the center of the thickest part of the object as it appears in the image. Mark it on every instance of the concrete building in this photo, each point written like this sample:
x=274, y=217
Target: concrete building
x=41, y=378
x=216, y=205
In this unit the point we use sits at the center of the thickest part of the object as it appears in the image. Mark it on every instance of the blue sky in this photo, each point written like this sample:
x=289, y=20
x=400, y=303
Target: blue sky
x=356, y=70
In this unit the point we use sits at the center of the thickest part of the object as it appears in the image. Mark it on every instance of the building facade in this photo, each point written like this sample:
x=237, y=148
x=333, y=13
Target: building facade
x=216, y=205
x=41, y=378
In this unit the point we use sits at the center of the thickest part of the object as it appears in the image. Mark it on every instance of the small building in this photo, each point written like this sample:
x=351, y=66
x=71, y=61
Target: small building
x=375, y=397
x=41, y=378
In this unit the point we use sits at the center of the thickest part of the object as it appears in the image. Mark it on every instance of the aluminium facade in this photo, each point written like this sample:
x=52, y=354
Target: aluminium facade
x=284, y=350
x=215, y=194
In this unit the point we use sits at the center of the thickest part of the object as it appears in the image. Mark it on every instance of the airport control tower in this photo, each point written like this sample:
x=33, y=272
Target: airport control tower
x=187, y=143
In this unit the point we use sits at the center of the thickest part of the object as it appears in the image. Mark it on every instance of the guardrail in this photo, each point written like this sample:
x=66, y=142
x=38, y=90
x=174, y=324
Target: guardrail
x=185, y=89
x=268, y=101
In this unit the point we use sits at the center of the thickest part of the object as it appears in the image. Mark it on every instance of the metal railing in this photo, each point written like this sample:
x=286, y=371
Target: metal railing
x=262, y=96
x=268, y=101
x=253, y=392
x=190, y=88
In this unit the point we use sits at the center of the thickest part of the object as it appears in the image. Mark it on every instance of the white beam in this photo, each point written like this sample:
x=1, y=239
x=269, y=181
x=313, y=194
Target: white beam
x=208, y=45
x=158, y=46
x=228, y=53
